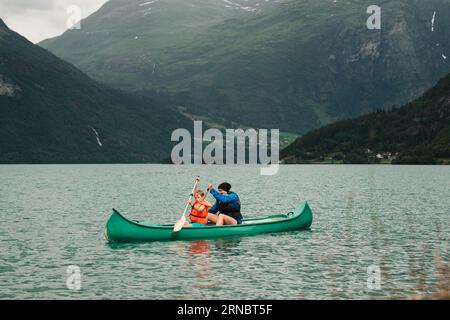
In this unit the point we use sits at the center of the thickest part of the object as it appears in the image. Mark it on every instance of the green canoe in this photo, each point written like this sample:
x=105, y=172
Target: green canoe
x=120, y=229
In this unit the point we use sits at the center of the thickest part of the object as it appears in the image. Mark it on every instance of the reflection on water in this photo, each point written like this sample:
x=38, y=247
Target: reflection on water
x=203, y=272
x=200, y=275
x=228, y=245
x=199, y=253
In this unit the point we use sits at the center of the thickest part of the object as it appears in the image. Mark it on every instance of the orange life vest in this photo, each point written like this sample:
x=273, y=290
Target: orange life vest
x=200, y=216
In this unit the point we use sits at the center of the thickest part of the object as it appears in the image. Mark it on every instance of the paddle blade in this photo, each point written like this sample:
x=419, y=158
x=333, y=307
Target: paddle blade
x=179, y=224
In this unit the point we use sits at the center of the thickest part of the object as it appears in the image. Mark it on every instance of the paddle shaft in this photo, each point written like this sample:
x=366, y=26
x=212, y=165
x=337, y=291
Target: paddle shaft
x=190, y=196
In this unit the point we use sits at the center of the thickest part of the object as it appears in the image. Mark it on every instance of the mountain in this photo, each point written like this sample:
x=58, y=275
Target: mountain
x=418, y=133
x=127, y=41
x=50, y=112
x=292, y=65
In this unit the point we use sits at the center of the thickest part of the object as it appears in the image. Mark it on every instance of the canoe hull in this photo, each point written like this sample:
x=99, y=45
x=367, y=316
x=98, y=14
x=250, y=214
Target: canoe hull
x=120, y=229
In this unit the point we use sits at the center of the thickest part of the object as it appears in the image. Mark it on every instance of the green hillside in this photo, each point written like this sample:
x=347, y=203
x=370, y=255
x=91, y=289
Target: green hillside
x=292, y=65
x=50, y=112
x=418, y=133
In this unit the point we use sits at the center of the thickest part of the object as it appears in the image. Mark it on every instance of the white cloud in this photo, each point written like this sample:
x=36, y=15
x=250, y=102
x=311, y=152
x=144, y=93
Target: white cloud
x=41, y=19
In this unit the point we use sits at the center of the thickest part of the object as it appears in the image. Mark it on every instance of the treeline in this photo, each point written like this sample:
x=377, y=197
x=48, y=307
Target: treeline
x=418, y=133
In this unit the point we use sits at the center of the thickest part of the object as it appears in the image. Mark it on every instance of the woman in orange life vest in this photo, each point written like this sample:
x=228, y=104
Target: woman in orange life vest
x=199, y=211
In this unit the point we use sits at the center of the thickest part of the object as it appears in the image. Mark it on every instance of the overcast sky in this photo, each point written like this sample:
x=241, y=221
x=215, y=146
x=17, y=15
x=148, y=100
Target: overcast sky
x=41, y=19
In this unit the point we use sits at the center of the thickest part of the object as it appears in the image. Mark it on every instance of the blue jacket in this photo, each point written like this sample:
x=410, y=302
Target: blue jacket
x=230, y=199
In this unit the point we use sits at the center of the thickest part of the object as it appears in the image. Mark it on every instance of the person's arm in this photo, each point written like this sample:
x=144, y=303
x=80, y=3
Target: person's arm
x=207, y=203
x=199, y=207
x=222, y=198
x=214, y=208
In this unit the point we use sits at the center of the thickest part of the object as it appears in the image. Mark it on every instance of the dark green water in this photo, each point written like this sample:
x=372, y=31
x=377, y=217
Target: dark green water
x=387, y=218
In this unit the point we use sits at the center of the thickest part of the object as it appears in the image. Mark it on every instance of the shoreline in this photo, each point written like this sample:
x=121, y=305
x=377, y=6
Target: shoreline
x=233, y=164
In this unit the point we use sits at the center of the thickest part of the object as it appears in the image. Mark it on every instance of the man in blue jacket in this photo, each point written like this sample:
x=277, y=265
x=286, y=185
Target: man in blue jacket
x=227, y=206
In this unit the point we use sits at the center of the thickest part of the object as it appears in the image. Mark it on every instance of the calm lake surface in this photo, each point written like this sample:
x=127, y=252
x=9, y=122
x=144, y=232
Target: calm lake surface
x=367, y=219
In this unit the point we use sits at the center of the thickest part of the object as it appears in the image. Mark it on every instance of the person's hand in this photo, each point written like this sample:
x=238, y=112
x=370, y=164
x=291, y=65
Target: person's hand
x=209, y=186
x=190, y=202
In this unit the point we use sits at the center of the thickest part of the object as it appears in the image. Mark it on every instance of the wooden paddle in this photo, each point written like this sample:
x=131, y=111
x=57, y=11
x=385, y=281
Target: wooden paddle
x=180, y=223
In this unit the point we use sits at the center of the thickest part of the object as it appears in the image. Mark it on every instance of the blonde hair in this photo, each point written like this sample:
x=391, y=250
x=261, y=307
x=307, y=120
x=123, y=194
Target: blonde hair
x=201, y=192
